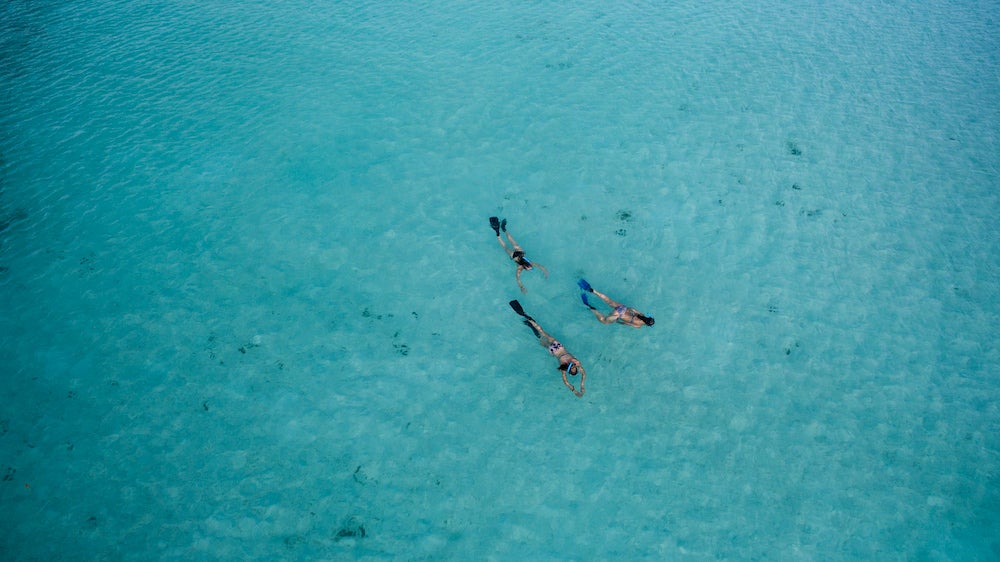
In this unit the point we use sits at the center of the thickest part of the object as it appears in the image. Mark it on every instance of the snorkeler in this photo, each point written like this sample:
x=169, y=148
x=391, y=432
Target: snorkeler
x=568, y=364
x=621, y=313
x=516, y=253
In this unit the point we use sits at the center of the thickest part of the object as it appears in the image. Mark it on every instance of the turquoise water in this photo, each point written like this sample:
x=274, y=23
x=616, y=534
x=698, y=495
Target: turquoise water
x=252, y=308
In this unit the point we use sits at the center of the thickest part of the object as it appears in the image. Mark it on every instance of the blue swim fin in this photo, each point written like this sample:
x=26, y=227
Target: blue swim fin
x=583, y=297
x=584, y=286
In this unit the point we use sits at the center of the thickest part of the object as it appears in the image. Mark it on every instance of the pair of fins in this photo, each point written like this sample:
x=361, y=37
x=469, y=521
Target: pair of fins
x=584, y=289
x=498, y=225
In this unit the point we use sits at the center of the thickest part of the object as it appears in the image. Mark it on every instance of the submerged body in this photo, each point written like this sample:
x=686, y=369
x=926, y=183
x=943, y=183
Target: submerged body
x=619, y=313
x=568, y=364
x=515, y=252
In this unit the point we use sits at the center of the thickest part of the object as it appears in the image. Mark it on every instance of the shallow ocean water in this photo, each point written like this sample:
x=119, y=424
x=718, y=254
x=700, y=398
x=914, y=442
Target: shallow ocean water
x=253, y=308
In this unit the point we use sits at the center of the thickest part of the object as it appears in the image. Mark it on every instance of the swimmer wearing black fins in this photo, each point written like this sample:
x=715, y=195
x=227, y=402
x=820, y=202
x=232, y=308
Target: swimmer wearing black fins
x=568, y=365
x=515, y=252
x=621, y=313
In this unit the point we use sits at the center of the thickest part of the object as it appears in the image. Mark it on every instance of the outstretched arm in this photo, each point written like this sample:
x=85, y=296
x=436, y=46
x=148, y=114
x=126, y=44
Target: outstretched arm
x=567, y=383
x=520, y=268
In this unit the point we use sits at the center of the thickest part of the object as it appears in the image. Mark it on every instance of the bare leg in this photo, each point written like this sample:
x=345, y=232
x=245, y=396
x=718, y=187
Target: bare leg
x=606, y=299
x=609, y=319
x=504, y=246
x=512, y=241
x=543, y=338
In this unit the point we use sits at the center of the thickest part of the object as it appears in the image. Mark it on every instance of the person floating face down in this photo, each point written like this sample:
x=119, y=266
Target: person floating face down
x=620, y=313
x=515, y=252
x=568, y=365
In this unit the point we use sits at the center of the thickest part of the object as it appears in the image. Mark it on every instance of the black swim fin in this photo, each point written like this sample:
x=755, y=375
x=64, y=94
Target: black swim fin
x=517, y=308
x=495, y=223
x=528, y=321
x=503, y=226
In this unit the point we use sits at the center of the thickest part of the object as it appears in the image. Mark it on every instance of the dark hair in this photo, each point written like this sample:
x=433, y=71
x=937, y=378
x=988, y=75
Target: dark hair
x=647, y=319
x=567, y=366
x=518, y=257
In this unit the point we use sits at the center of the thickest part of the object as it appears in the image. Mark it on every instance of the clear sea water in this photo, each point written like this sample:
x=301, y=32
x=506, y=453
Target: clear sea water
x=251, y=307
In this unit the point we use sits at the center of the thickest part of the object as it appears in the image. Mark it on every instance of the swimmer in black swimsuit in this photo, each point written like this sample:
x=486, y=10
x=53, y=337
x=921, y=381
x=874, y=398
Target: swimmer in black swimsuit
x=516, y=253
x=568, y=365
x=621, y=313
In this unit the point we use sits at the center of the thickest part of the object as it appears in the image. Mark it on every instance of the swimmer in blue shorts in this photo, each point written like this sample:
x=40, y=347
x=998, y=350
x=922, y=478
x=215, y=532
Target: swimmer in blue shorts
x=515, y=252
